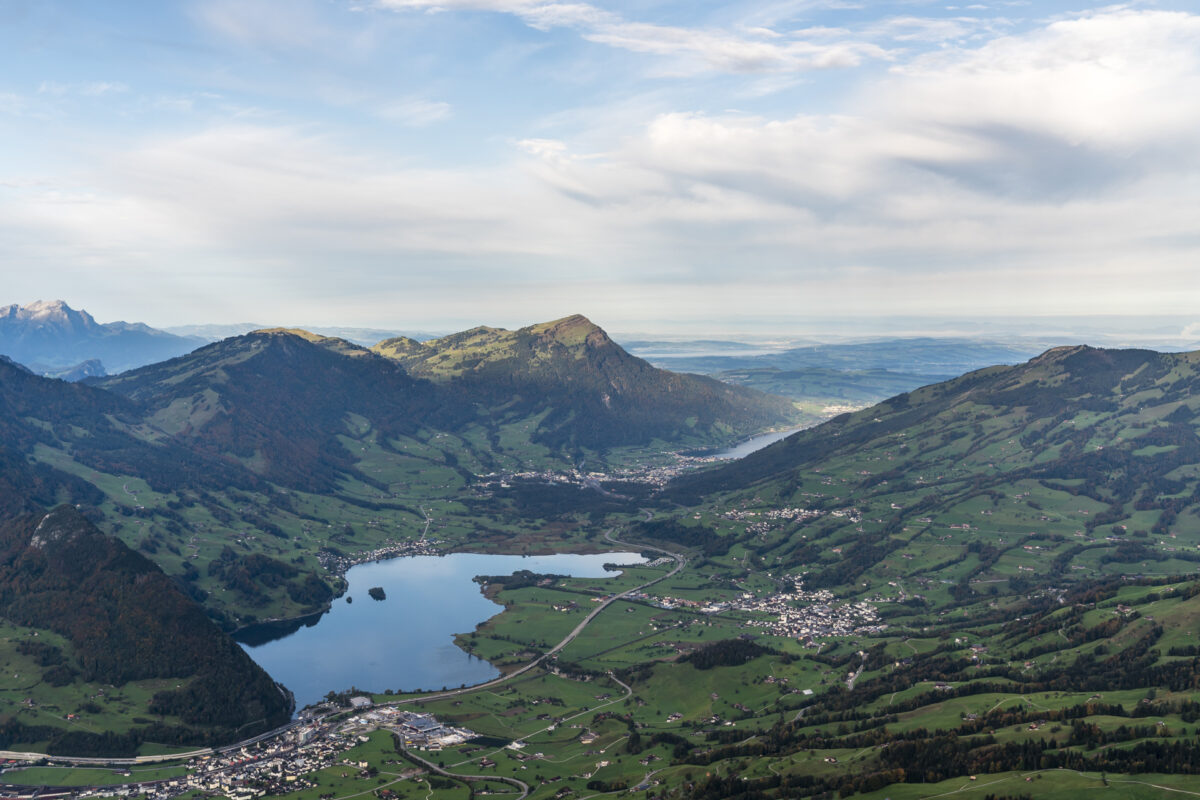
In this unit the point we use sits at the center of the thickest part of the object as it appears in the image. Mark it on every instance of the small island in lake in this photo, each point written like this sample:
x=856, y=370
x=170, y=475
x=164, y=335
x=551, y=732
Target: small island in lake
x=377, y=593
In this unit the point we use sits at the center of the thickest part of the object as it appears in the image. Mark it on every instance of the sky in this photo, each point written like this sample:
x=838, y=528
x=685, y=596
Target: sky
x=653, y=164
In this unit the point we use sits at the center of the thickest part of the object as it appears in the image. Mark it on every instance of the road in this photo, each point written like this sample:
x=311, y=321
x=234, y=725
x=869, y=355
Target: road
x=851, y=680
x=522, y=785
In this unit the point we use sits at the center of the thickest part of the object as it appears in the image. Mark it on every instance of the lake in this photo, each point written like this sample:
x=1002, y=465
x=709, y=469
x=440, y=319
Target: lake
x=405, y=642
x=756, y=443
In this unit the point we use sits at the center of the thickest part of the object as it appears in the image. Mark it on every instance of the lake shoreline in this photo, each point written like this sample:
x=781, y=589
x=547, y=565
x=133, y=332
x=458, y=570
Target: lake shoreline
x=410, y=641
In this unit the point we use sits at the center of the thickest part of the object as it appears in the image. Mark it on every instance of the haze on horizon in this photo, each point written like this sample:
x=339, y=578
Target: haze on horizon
x=660, y=167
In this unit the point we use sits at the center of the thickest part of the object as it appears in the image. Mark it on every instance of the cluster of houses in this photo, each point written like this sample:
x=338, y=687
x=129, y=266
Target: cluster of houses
x=338, y=564
x=804, y=615
x=768, y=520
x=653, y=474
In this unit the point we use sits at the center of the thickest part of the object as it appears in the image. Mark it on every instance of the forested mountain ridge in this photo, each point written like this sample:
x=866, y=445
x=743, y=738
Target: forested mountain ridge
x=124, y=620
x=1025, y=540
x=101, y=430
x=276, y=401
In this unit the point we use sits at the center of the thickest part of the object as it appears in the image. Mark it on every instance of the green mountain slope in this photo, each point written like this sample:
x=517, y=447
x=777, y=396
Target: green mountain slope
x=1025, y=541
x=119, y=621
x=100, y=431
x=589, y=392
x=1117, y=423
x=276, y=401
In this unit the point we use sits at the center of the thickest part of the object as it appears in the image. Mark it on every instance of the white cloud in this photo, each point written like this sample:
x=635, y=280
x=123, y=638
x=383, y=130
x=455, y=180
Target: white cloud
x=729, y=52
x=11, y=103
x=1042, y=168
x=934, y=29
x=100, y=88
x=1107, y=79
x=90, y=89
x=750, y=49
x=1069, y=146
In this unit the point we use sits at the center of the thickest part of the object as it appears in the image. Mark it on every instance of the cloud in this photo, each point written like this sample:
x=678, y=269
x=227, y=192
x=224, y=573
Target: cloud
x=730, y=52
x=101, y=88
x=1076, y=109
x=935, y=29
x=752, y=49
x=91, y=89
x=1067, y=146
x=11, y=103
x=1038, y=171
x=1109, y=79
x=416, y=112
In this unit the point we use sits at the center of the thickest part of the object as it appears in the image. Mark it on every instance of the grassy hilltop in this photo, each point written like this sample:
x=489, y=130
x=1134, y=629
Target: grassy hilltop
x=583, y=389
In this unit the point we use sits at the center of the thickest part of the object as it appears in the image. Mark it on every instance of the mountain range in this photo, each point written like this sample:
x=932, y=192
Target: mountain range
x=235, y=475
x=360, y=336
x=57, y=337
x=218, y=463
x=266, y=439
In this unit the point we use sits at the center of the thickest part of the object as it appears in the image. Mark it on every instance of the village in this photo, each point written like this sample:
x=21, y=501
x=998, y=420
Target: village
x=338, y=564
x=796, y=614
x=657, y=475
x=805, y=615
x=281, y=763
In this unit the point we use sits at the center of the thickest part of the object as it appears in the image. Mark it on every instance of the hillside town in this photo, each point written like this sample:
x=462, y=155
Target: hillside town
x=796, y=614
x=805, y=615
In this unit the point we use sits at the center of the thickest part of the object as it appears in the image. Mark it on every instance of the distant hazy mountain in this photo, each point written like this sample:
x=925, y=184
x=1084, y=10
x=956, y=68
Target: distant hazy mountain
x=362, y=336
x=651, y=349
x=56, y=336
x=924, y=356
x=92, y=368
x=831, y=387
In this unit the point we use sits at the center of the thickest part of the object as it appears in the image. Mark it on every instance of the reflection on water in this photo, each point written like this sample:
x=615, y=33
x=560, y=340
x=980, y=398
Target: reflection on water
x=406, y=641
